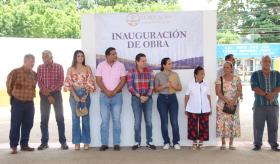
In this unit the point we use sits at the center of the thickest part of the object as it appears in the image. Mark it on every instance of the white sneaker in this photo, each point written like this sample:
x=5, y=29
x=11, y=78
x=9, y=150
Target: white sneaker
x=177, y=147
x=166, y=146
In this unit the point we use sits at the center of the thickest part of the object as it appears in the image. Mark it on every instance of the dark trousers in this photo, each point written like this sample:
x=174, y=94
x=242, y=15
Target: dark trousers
x=270, y=115
x=168, y=104
x=198, y=126
x=45, y=107
x=22, y=116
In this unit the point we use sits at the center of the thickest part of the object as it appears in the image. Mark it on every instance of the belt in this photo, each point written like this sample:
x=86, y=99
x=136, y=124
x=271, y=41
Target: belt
x=15, y=99
x=117, y=92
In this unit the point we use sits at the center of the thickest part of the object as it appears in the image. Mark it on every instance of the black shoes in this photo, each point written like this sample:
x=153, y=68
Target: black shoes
x=256, y=148
x=103, y=148
x=151, y=146
x=117, y=148
x=135, y=147
x=275, y=149
x=43, y=147
x=64, y=146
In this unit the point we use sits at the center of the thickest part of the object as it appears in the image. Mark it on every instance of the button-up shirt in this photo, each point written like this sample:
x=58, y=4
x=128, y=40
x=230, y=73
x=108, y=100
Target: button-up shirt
x=50, y=76
x=259, y=80
x=198, y=100
x=140, y=82
x=21, y=84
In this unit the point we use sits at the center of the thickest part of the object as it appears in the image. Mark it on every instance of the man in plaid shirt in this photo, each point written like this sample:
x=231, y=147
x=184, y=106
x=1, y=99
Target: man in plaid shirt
x=21, y=84
x=140, y=82
x=50, y=80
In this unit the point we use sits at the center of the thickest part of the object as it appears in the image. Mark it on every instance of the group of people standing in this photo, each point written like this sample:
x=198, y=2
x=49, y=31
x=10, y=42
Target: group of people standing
x=111, y=77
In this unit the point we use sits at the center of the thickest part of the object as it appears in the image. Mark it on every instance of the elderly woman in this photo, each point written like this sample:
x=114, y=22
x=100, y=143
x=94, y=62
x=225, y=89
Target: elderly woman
x=198, y=109
x=79, y=81
x=228, y=90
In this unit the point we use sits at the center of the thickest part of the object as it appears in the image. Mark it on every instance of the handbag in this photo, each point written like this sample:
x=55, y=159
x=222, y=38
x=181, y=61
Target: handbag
x=81, y=111
x=227, y=109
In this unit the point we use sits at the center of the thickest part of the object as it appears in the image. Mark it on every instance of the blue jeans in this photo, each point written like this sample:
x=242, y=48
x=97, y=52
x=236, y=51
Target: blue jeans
x=111, y=105
x=138, y=108
x=22, y=116
x=168, y=104
x=45, y=107
x=79, y=136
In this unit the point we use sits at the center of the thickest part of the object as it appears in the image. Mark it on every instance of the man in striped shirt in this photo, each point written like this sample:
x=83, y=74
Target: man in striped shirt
x=50, y=80
x=140, y=82
x=266, y=85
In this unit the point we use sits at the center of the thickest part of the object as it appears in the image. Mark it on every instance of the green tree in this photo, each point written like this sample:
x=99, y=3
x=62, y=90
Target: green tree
x=61, y=18
x=259, y=19
x=262, y=18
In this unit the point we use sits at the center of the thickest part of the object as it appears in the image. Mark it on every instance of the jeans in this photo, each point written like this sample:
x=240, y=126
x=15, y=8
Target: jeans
x=138, y=108
x=79, y=136
x=109, y=106
x=45, y=107
x=168, y=104
x=22, y=116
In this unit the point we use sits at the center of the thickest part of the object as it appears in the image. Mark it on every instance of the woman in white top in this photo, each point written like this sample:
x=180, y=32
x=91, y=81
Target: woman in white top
x=198, y=109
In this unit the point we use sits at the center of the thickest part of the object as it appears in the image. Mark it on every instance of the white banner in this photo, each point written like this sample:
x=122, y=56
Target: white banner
x=182, y=36
x=177, y=35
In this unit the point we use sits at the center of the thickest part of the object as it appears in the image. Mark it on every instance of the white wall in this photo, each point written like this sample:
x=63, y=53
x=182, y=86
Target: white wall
x=127, y=118
x=14, y=49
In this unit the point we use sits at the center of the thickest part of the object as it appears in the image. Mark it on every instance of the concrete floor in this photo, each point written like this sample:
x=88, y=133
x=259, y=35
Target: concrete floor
x=211, y=155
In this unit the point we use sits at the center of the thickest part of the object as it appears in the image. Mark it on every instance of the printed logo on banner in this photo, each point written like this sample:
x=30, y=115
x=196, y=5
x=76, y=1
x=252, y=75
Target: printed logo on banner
x=133, y=19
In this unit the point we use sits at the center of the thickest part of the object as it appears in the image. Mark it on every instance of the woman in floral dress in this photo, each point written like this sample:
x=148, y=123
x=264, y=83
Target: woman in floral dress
x=228, y=125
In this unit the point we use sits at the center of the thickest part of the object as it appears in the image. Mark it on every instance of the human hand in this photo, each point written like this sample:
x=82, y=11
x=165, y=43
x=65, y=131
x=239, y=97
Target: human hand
x=270, y=97
x=109, y=93
x=45, y=92
x=77, y=99
x=143, y=99
x=51, y=99
x=83, y=99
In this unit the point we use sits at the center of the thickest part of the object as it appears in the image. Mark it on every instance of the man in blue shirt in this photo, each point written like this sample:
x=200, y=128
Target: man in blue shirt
x=266, y=85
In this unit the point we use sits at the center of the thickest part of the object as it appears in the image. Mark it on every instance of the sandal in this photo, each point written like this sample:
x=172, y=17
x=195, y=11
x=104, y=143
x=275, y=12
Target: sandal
x=231, y=147
x=223, y=147
x=86, y=146
x=200, y=145
x=77, y=146
x=194, y=146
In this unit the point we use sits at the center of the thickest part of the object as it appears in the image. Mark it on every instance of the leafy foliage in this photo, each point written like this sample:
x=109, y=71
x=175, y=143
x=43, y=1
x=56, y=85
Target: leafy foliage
x=61, y=18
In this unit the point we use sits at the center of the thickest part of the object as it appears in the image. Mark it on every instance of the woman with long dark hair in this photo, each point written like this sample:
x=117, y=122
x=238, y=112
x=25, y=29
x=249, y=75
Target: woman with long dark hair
x=167, y=83
x=79, y=81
